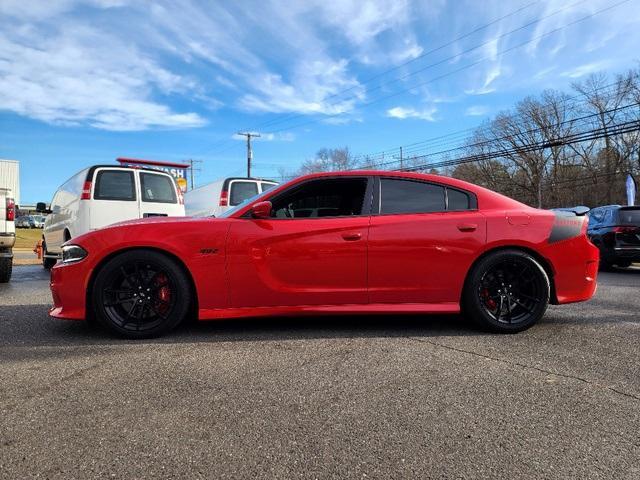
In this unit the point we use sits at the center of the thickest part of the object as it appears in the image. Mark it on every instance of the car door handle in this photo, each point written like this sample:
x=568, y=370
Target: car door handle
x=467, y=227
x=352, y=236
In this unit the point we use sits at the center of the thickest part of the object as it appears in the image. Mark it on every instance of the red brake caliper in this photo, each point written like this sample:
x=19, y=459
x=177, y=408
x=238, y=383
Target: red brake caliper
x=488, y=300
x=164, y=292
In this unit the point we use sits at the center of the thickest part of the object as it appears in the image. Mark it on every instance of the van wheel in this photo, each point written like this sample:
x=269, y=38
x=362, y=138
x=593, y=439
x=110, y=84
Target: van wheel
x=6, y=267
x=141, y=294
x=47, y=263
x=506, y=292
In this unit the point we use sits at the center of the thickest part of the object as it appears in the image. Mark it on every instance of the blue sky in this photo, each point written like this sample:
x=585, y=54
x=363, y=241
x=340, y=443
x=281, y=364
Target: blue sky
x=83, y=82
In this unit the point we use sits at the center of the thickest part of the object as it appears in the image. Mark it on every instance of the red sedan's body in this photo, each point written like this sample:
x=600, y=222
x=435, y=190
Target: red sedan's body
x=372, y=263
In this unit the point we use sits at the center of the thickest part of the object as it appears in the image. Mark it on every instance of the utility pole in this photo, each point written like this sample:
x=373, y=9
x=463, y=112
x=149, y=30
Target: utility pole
x=192, y=171
x=249, y=151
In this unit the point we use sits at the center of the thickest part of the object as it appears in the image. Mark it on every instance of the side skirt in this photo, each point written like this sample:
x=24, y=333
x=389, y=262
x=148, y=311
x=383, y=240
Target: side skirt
x=371, y=309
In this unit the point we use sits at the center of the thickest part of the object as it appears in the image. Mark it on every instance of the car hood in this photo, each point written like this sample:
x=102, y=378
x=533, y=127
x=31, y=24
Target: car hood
x=163, y=220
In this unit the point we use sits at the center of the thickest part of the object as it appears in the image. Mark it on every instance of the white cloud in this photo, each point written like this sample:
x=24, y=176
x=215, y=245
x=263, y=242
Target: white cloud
x=404, y=112
x=477, y=111
x=585, y=69
x=310, y=90
x=362, y=21
x=480, y=91
x=81, y=76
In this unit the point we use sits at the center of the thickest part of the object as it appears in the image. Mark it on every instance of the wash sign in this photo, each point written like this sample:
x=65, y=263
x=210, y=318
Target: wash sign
x=177, y=170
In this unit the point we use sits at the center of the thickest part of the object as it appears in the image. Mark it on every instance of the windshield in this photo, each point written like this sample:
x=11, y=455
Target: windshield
x=233, y=210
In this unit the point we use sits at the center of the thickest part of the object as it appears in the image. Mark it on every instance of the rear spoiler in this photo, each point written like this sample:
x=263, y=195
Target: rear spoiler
x=579, y=211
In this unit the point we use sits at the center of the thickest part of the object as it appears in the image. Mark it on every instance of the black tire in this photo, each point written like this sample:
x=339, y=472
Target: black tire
x=47, y=263
x=506, y=292
x=141, y=294
x=6, y=267
x=605, y=265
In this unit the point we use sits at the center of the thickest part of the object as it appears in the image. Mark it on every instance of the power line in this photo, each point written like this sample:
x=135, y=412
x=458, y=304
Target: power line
x=489, y=141
x=465, y=67
x=594, y=134
x=462, y=134
x=413, y=60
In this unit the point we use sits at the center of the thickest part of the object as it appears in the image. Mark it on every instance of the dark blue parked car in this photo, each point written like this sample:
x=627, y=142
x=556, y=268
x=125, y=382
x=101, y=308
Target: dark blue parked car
x=615, y=230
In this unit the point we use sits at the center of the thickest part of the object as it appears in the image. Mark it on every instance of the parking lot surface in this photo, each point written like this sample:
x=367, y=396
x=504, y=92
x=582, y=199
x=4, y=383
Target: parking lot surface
x=341, y=397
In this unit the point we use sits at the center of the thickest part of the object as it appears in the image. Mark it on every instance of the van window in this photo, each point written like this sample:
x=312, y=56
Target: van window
x=240, y=191
x=267, y=186
x=407, y=196
x=115, y=185
x=157, y=188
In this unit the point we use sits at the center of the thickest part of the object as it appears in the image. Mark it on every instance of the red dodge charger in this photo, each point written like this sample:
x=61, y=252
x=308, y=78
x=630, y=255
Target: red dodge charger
x=352, y=242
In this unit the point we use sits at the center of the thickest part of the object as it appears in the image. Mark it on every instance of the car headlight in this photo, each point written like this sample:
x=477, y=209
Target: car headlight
x=73, y=253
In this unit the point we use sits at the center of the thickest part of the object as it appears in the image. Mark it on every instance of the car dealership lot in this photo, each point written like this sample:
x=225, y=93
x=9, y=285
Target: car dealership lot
x=325, y=397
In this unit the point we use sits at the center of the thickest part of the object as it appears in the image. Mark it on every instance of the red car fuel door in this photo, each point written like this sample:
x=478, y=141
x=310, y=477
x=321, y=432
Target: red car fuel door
x=417, y=255
x=311, y=251
x=287, y=262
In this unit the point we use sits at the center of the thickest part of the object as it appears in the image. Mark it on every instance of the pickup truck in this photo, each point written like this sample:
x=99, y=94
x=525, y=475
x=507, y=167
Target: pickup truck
x=7, y=233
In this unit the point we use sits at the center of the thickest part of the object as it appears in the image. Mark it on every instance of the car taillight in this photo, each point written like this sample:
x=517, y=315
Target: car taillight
x=224, y=198
x=11, y=210
x=86, y=191
x=180, y=196
x=626, y=229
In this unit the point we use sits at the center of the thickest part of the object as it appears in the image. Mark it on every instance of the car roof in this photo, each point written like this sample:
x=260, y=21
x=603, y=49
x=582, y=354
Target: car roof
x=488, y=196
x=487, y=199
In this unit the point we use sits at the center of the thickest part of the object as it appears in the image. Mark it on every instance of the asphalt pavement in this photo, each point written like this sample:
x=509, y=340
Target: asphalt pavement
x=341, y=397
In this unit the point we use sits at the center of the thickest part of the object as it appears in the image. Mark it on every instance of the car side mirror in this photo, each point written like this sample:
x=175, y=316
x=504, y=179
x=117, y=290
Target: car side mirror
x=41, y=207
x=261, y=210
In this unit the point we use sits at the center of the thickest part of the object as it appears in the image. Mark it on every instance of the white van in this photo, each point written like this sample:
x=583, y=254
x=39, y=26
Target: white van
x=7, y=233
x=104, y=194
x=219, y=196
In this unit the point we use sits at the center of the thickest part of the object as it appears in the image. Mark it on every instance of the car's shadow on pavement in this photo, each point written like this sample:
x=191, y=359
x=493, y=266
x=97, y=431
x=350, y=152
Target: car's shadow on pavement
x=29, y=325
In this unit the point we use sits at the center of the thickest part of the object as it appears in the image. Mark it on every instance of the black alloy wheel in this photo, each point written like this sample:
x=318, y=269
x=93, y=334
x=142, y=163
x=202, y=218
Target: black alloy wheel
x=507, y=291
x=141, y=294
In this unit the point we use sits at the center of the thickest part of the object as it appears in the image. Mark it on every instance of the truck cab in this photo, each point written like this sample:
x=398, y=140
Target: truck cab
x=7, y=233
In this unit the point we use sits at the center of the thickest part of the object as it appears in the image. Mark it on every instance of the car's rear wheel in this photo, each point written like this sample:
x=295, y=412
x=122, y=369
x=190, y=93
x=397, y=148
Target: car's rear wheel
x=507, y=291
x=141, y=294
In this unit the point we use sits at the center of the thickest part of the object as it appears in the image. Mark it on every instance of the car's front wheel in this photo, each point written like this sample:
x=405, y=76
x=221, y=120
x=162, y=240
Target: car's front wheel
x=507, y=291
x=141, y=294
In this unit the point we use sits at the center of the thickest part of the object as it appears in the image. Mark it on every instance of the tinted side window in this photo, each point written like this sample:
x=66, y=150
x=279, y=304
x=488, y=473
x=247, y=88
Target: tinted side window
x=630, y=216
x=267, y=186
x=157, y=188
x=114, y=185
x=336, y=197
x=457, y=200
x=406, y=196
x=240, y=191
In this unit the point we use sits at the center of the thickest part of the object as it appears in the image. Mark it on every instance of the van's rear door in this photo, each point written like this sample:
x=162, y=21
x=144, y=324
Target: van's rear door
x=159, y=195
x=115, y=197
